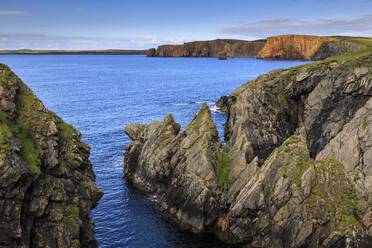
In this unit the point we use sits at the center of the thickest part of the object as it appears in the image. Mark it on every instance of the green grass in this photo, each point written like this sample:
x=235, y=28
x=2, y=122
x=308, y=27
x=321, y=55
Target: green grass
x=72, y=211
x=223, y=168
x=283, y=100
x=5, y=136
x=332, y=190
x=365, y=42
x=3, y=116
x=29, y=152
x=66, y=131
x=365, y=125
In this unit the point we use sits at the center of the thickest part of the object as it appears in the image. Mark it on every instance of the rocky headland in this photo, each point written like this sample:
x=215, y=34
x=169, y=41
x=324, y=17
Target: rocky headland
x=283, y=47
x=47, y=187
x=212, y=48
x=296, y=167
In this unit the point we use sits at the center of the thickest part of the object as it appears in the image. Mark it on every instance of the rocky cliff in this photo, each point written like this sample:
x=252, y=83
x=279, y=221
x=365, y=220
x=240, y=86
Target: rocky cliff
x=283, y=47
x=47, y=185
x=295, y=170
x=213, y=48
x=292, y=47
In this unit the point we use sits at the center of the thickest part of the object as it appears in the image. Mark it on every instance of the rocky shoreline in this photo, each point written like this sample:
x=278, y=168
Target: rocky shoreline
x=47, y=187
x=295, y=170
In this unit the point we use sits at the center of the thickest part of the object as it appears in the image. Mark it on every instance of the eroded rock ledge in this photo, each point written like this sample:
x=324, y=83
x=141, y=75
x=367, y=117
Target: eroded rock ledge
x=47, y=185
x=296, y=167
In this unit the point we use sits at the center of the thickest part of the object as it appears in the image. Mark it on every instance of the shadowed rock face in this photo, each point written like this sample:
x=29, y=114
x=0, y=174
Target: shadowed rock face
x=47, y=185
x=336, y=48
x=295, y=169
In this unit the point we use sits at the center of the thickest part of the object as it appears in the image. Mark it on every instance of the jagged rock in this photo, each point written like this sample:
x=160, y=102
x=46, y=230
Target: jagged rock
x=295, y=169
x=46, y=180
x=151, y=52
x=222, y=103
x=178, y=167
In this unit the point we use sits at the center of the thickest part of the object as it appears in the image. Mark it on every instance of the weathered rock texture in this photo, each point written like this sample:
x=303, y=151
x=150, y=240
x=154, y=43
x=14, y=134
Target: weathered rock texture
x=47, y=185
x=213, y=48
x=292, y=47
x=336, y=48
x=296, y=167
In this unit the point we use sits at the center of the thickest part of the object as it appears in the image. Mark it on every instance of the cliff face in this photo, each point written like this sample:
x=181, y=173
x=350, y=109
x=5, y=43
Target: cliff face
x=284, y=47
x=292, y=47
x=47, y=185
x=336, y=48
x=296, y=167
x=214, y=48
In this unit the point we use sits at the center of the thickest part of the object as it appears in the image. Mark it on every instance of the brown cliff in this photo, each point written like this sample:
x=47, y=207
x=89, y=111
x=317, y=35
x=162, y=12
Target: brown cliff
x=292, y=47
x=213, y=48
x=284, y=47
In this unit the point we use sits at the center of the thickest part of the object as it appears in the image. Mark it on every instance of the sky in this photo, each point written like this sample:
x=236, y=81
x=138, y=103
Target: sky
x=142, y=24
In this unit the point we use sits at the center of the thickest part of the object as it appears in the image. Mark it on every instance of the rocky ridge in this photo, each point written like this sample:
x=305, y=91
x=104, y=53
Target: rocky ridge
x=47, y=185
x=295, y=170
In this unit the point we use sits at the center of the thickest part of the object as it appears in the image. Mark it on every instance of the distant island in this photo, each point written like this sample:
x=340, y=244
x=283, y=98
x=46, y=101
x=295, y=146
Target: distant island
x=80, y=52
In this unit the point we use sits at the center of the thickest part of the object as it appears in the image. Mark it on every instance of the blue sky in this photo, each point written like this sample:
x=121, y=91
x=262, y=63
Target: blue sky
x=137, y=24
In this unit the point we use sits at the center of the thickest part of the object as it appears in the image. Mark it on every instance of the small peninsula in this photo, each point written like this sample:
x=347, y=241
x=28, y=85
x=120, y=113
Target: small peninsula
x=296, y=166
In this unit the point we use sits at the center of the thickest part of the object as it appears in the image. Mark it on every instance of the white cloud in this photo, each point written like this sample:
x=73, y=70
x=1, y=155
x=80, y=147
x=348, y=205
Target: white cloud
x=11, y=12
x=20, y=41
x=355, y=26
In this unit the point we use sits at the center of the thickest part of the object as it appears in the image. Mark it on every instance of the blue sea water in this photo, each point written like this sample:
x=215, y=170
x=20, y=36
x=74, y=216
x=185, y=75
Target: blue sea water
x=100, y=94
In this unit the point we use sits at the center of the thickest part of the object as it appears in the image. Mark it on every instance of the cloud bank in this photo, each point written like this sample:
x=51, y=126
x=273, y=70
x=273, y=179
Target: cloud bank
x=356, y=26
x=36, y=41
x=11, y=12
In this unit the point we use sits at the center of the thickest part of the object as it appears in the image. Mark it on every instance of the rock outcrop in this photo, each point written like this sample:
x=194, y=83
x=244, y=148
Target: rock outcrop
x=295, y=170
x=47, y=185
x=213, y=48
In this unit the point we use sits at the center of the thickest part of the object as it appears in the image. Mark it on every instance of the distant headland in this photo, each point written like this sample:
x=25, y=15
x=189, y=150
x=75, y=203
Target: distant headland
x=79, y=52
x=283, y=47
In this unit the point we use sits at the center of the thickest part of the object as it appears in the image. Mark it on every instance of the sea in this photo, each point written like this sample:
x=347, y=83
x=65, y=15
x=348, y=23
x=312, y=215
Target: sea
x=101, y=94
